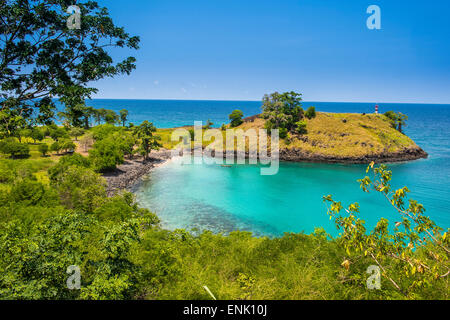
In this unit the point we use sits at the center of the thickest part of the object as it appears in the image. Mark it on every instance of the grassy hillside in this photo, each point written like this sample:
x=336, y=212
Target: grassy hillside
x=345, y=135
x=335, y=136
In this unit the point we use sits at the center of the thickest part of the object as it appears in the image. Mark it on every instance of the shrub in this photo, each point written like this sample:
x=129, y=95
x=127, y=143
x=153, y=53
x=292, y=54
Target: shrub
x=27, y=191
x=14, y=148
x=80, y=188
x=236, y=118
x=76, y=132
x=310, y=113
x=105, y=155
x=65, y=162
x=283, y=133
x=67, y=145
x=55, y=147
x=301, y=127
x=58, y=133
x=36, y=134
x=43, y=148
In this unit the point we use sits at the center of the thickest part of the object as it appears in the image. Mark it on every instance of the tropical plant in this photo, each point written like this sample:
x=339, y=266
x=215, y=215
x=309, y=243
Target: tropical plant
x=14, y=148
x=236, y=118
x=145, y=132
x=59, y=62
x=412, y=254
x=310, y=113
x=123, y=116
x=43, y=148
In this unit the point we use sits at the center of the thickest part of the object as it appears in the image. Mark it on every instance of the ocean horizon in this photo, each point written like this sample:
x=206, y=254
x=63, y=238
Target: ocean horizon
x=252, y=208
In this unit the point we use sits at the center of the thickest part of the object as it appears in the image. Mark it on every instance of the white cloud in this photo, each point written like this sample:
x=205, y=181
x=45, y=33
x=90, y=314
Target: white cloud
x=156, y=82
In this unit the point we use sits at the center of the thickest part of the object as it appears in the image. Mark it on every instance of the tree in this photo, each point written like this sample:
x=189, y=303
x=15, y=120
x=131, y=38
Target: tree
x=310, y=113
x=301, y=127
x=208, y=125
x=123, y=116
x=67, y=145
x=87, y=141
x=76, y=132
x=282, y=110
x=105, y=155
x=36, y=134
x=398, y=119
x=236, y=118
x=411, y=255
x=43, y=148
x=111, y=117
x=55, y=147
x=41, y=58
x=14, y=148
x=58, y=133
x=145, y=132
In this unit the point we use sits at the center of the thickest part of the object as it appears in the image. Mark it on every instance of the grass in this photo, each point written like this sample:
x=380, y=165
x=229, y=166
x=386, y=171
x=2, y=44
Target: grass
x=332, y=135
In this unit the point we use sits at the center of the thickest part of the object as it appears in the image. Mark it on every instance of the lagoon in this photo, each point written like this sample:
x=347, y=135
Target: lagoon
x=225, y=199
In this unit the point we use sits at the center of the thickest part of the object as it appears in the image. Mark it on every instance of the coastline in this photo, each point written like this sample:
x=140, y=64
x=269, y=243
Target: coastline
x=128, y=174
x=407, y=154
x=132, y=170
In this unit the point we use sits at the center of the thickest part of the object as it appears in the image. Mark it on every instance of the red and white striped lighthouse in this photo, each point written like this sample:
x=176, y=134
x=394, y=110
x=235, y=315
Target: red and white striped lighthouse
x=376, y=109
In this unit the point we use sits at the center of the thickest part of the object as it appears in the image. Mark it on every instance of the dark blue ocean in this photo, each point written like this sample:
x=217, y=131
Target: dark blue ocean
x=221, y=200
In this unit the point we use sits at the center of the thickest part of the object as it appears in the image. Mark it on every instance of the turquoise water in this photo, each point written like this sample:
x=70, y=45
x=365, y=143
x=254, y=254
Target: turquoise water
x=225, y=199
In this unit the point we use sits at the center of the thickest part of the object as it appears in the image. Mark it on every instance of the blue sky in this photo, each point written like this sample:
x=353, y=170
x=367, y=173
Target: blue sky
x=242, y=49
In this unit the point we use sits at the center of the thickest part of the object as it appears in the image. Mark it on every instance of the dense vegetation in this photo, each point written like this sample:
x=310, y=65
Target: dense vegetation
x=49, y=224
x=55, y=213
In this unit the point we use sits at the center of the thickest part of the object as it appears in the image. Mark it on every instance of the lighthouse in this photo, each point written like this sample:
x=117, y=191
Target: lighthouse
x=376, y=109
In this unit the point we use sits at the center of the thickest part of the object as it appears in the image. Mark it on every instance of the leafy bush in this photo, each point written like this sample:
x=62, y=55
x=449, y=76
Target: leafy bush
x=301, y=127
x=80, y=188
x=37, y=134
x=14, y=148
x=310, y=113
x=64, y=163
x=43, y=148
x=58, y=133
x=236, y=118
x=283, y=133
x=105, y=155
x=282, y=110
x=55, y=147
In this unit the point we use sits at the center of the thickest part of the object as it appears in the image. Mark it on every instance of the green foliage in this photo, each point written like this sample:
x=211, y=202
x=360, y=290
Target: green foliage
x=397, y=119
x=145, y=132
x=43, y=148
x=58, y=133
x=283, y=133
x=111, y=117
x=103, y=131
x=123, y=116
x=236, y=118
x=310, y=113
x=55, y=147
x=301, y=127
x=14, y=148
x=79, y=188
x=105, y=155
x=58, y=61
x=413, y=255
x=36, y=134
x=282, y=110
x=76, y=159
x=76, y=132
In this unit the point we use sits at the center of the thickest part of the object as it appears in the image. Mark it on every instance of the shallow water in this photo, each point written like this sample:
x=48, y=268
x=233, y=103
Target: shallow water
x=224, y=199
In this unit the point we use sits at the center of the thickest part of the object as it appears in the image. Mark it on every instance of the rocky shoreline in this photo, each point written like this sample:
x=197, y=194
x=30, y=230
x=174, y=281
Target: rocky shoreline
x=408, y=154
x=132, y=170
